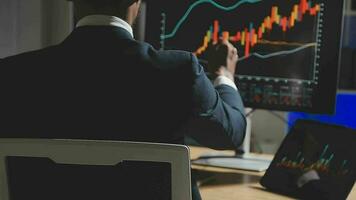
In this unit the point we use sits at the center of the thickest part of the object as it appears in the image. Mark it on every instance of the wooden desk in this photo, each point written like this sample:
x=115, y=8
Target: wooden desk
x=230, y=184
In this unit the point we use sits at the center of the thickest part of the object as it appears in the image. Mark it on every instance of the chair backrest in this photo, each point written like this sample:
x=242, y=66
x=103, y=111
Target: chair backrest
x=70, y=154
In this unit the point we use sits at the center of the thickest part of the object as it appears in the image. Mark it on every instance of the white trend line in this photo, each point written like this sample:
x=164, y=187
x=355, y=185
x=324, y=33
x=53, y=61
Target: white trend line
x=279, y=53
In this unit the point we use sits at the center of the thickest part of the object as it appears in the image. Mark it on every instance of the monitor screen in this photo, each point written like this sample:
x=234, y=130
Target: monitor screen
x=288, y=50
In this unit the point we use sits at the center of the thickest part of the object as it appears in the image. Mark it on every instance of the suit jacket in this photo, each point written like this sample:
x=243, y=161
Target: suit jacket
x=100, y=83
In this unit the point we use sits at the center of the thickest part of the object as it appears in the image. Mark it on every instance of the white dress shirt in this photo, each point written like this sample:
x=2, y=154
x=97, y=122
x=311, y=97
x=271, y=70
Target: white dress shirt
x=106, y=20
x=223, y=80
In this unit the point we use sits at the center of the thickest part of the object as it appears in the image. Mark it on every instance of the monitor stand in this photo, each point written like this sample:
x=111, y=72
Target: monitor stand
x=242, y=160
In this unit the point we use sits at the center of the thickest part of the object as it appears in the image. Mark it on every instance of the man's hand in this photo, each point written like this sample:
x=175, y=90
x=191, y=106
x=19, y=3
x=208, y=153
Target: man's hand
x=222, y=60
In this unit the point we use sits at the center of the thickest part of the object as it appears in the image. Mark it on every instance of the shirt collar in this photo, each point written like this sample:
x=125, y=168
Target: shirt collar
x=105, y=20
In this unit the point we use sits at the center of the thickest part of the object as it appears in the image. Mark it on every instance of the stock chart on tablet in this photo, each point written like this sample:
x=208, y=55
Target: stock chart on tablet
x=288, y=49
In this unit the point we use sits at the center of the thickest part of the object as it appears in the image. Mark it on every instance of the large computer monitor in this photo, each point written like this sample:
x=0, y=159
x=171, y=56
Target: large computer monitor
x=289, y=50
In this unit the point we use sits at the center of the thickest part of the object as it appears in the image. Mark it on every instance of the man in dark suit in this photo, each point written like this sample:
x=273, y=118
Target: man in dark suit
x=100, y=83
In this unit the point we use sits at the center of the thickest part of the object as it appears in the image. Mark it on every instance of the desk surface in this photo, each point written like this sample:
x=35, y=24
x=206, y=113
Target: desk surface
x=230, y=184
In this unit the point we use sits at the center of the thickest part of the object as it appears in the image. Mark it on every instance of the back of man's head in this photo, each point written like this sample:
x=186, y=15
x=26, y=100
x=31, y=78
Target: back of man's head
x=119, y=8
x=106, y=3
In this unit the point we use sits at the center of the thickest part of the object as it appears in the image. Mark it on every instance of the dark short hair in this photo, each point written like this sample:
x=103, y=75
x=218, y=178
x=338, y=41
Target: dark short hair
x=103, y=3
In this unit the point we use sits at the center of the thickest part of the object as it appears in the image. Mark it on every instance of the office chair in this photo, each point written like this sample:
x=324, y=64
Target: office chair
x=81, y=169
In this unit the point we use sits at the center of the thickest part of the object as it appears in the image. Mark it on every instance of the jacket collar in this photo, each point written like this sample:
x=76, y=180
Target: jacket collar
x=97, y=34
x=105, y=20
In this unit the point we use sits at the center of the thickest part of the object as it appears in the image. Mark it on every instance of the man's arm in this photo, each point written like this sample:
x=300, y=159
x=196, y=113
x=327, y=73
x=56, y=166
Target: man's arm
x=219, y=120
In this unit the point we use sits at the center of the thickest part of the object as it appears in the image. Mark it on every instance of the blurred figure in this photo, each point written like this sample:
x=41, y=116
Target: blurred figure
x=100, y=83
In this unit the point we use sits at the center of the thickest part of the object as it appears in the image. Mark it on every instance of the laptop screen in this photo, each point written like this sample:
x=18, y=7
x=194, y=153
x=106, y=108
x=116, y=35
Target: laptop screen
x=41, y=178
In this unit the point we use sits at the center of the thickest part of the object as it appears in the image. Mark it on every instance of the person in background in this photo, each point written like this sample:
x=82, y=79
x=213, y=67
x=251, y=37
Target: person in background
x=101, y=83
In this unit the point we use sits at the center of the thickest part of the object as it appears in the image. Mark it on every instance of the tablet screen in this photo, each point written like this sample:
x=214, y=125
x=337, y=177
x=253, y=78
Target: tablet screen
x=316, y=153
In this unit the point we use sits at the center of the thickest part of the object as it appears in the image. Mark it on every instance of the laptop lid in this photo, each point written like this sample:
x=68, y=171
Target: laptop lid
x=68, y=169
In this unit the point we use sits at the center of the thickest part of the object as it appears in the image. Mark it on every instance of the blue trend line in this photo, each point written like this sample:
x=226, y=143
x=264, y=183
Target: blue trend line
x=190, y=9
x=279, y=53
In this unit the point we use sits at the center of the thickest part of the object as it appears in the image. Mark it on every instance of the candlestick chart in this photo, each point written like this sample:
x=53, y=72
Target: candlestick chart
x=325, y=163
x=318, y=153
x=279, y=42
x=309, y=148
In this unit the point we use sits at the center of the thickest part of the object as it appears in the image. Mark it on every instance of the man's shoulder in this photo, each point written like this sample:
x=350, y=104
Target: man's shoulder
x=29, y=56
x=171, y=58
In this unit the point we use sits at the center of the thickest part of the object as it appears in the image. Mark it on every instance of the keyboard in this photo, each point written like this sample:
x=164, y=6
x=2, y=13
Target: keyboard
x=255, y=165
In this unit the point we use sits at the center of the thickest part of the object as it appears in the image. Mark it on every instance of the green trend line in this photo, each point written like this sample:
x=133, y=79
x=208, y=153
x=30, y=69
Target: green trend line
x=279, y=53
x=197, y=3
x=324, y=151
